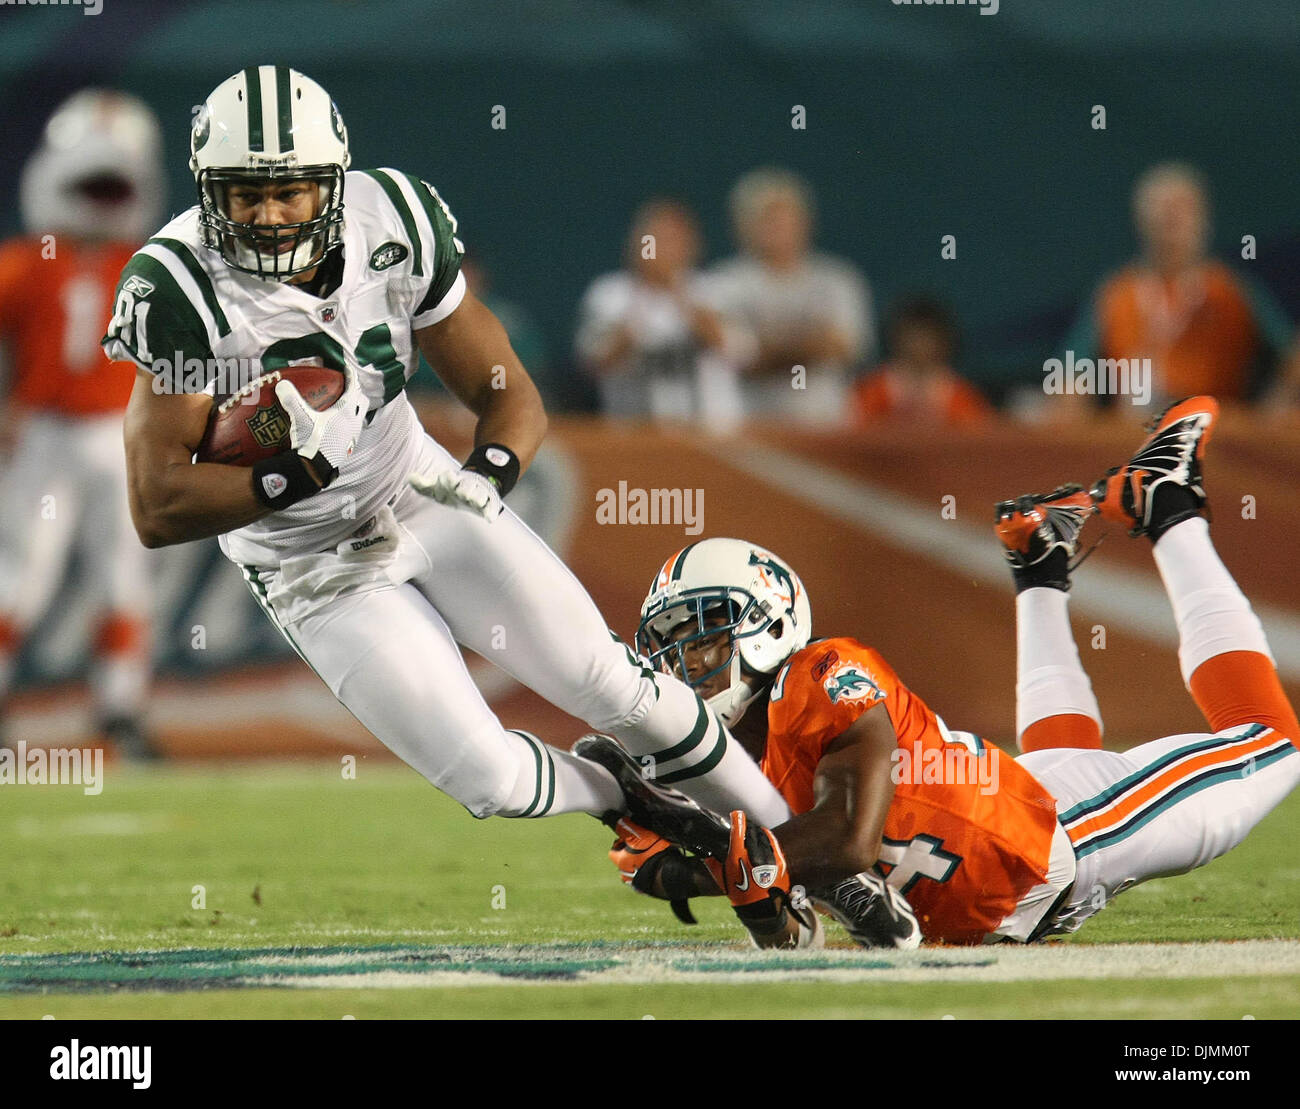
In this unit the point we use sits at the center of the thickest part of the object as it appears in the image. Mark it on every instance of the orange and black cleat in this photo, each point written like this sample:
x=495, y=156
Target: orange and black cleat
x=1169, y=458
x=1034, y=526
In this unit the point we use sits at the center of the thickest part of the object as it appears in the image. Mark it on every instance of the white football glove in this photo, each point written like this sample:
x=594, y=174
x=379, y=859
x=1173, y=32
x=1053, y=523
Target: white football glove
x=465, y=489
x=330, y=435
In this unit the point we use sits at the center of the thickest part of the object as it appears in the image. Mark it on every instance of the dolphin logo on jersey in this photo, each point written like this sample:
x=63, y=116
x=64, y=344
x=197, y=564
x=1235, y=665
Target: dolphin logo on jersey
x=849, y=683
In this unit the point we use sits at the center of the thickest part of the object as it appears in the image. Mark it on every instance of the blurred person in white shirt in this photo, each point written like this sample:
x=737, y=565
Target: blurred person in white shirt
x=806, y=309
x=651, y=335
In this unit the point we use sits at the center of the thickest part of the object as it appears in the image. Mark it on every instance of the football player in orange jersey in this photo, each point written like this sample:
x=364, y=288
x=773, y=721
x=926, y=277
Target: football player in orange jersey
x=984, y=846
x=89, y=196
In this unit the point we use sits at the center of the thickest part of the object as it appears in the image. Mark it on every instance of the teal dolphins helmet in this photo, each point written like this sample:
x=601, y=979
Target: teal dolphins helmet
x=266, y=124
x=727, y=586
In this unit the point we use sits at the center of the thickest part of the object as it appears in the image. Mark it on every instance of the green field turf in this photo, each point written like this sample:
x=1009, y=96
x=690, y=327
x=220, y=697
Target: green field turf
x=331, y=884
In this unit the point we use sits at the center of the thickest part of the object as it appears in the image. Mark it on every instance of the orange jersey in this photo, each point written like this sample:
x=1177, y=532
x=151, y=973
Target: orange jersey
x=1202, y=334
x=970, y=829
x=53, y=311
x=888, y=393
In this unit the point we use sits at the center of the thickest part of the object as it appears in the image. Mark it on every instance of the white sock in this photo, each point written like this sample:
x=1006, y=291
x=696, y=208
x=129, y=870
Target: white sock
x=1050, y=679
x=552, y=781
x=1212, y=613
x=694, y=753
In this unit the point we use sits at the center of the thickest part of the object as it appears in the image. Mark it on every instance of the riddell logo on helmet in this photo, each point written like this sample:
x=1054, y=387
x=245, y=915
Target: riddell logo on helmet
x=683, y=508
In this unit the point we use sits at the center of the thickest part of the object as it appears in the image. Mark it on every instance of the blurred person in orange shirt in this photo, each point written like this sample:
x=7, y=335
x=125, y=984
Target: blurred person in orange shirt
x=918, y=381
x=1203, y=326
x=89, y=196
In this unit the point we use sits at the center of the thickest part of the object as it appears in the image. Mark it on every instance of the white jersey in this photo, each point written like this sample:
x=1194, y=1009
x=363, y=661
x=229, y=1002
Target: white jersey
x=178, y=301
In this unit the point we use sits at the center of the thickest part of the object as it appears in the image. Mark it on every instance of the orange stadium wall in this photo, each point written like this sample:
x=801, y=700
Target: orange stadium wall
x=890, y=532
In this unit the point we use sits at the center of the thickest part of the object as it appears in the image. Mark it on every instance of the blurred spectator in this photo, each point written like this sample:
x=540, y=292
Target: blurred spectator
x=650, y=335
x=1203, y=326
x=805, y=309
x=90, y=195
x=918, y=381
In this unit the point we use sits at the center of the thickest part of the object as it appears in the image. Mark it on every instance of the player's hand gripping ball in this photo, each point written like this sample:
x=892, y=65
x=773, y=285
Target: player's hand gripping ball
x=252, y=424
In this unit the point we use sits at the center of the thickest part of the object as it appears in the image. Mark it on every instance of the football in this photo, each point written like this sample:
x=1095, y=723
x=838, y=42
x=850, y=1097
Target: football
x=250, y=425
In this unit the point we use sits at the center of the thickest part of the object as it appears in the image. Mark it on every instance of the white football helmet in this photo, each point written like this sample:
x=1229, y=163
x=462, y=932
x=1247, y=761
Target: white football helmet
x=731, y=586
x=98, y=172
x=269, y=123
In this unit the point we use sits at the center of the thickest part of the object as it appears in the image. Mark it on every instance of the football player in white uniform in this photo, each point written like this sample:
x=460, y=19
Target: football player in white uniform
x=372, y=577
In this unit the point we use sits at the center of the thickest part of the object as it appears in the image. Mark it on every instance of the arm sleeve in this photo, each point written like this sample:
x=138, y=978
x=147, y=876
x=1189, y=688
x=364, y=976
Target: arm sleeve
x=155, y=326
x=446, y=287
x=826, y=687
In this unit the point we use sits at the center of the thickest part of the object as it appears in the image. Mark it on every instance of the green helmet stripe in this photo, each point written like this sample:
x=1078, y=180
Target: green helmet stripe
x=253, y=95
x=284, y=107
x=681, y=563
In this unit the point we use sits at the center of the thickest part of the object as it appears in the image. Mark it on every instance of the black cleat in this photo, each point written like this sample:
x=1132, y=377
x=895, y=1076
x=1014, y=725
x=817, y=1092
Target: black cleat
x=873, y=913
x=661, y=809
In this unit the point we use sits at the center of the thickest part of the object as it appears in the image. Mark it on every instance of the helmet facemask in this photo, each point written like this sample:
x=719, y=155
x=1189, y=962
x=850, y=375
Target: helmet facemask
x=260, y=249
x=689, y=620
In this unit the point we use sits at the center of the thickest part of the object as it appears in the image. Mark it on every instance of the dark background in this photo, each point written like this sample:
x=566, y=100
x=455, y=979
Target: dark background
x=921, y=122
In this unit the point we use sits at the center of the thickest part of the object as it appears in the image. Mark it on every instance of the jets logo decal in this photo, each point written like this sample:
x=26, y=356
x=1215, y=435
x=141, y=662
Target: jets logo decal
x=850, y=683
x=387, y=255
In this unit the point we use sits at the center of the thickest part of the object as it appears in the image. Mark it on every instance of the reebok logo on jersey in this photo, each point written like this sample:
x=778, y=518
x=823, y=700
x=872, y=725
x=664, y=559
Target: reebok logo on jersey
x=387, y=255
x=274, y=484
x=137, y=286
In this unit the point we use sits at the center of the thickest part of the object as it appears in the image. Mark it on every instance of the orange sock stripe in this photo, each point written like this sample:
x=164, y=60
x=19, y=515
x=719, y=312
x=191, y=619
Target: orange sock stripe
x=1152, y=788
x=1069, y=729
x=120, y=635
x=1241, y=687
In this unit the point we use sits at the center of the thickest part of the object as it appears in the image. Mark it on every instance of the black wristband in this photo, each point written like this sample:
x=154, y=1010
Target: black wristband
x=495, y=461
x=282, y=480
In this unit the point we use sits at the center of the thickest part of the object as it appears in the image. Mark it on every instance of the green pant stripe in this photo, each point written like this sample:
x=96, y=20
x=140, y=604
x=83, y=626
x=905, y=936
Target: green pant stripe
x=692, y=741
x=258, y=589
x=703, y=766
